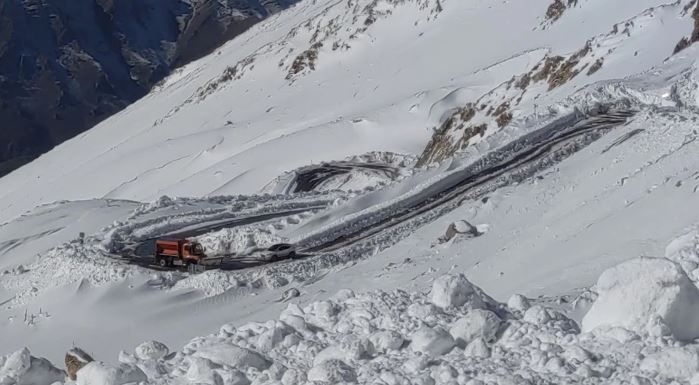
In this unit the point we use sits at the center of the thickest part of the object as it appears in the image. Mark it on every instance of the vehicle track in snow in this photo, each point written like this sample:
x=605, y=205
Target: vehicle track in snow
x=308, y=179
x=517, y=161
x=366, y=234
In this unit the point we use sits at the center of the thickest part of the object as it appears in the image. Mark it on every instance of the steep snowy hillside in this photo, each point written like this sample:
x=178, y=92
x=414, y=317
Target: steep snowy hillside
x=528, y=146
x=338, y=79
x=64, y=66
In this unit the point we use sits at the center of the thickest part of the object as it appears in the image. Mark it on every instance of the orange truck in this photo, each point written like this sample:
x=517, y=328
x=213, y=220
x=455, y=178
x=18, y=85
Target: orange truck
x=181, y=252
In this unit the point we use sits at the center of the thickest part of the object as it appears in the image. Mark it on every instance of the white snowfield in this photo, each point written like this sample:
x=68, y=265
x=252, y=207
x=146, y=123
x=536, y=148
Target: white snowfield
x=455, y=335
x=569, y=176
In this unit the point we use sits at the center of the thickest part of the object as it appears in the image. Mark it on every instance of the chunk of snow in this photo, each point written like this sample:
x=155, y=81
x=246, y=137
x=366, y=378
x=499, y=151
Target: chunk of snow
x=477, y=348
x=151, y=350
x=332, y=371
x=293, y=377
x=537, y=315
x=270, y=338
x=433, y=342
x=349, y=349
x=233, y=356
x=518, y=302
x=22, y=369
x=455, y=290
x=475, y=324
x=672, y=362
x=386, y=340
x=638, y=291
x=100, y=373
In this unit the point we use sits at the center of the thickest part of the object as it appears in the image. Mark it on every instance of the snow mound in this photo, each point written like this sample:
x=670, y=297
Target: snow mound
x=332, y=371
x=151, y=350
x=233, y=356
x=433, y=342
x=643, y=291
x=479, y=323
x=455, y=290
x=685, y=251
x=21, y=367
x=100, y=373
x=361, y=338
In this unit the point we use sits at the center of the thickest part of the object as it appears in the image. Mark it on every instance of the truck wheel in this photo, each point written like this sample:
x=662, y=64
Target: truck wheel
x=162, y=262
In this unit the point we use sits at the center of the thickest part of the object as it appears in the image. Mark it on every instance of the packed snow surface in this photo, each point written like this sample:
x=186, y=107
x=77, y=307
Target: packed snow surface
x=421, y=154
x=398, y=337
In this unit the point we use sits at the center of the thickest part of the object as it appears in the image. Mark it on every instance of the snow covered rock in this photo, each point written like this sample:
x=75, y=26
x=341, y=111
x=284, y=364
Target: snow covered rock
x=75, y=359
x=21, y=368
x=233, y=356
x=635, y=293
x=455, y=290
x=459, y=228
x=332, y=371
x=151, y=350
x=475, y=324
x=433, y=342
x=100, y=373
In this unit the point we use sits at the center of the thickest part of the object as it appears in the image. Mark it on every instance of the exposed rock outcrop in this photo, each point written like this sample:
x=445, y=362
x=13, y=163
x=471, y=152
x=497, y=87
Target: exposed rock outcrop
x=75, y=360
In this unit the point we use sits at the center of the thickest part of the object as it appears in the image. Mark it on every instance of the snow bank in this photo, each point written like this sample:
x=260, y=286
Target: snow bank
x=21, y=367
x=641, y=292
x=100, y=373
x=374, y=338
x=455, y=290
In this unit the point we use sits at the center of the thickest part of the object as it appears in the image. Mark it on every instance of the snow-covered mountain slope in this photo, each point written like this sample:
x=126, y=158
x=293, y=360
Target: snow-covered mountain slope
x=337, y=79
x=66, y=66
x=551, y=173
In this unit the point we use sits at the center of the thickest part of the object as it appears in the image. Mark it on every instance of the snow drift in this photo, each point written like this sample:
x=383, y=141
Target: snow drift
x=638, y=292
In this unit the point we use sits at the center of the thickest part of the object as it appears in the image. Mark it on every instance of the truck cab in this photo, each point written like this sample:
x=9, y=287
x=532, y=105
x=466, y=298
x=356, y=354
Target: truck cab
x=183, y=252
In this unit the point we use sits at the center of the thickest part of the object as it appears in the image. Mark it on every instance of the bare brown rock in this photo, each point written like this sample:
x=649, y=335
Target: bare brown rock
x=75, y=359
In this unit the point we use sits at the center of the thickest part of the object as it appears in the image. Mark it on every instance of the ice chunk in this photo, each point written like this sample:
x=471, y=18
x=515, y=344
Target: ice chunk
x=332, y=371
x=475, y=324
x=233, y=356
x=477, y=348
x=21, y=368
x=100, y=373
x=434, y=342
x=455, y=290
x=537, y=315
x=151, y=350
x=636, y=292
x=518, y=302
x=672, y=362
x=386, y=340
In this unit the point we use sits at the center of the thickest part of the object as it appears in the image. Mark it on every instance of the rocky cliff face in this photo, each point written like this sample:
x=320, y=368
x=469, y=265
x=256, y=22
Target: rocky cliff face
x=66, y=65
